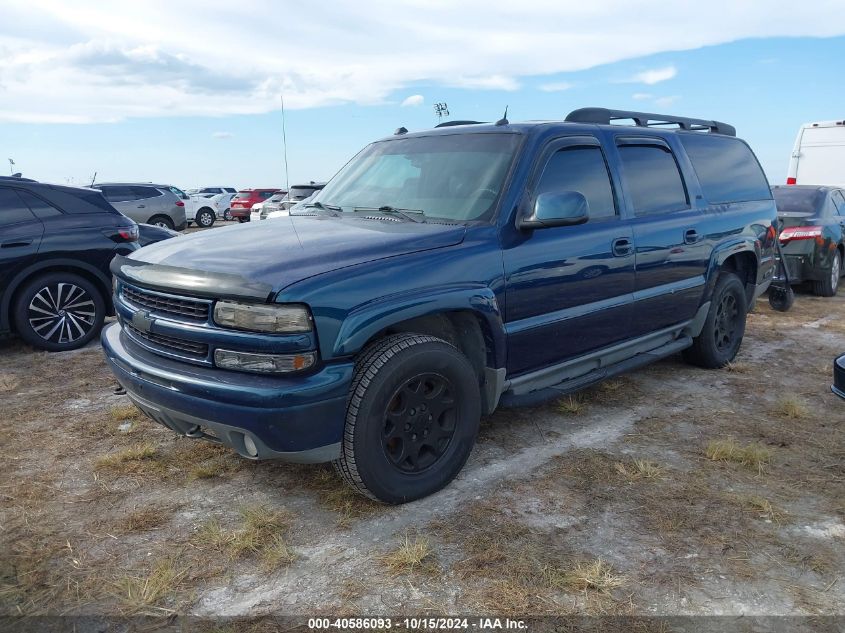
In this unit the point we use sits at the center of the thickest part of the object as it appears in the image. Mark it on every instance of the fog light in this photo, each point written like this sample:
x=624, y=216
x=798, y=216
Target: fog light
x=250, y=447
x=263, y=363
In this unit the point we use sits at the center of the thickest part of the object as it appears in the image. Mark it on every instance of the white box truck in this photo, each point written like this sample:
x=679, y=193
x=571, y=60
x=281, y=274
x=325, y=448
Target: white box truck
x=818, y=157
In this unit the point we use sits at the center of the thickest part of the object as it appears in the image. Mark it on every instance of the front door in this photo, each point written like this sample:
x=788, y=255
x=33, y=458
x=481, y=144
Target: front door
x=569, y=288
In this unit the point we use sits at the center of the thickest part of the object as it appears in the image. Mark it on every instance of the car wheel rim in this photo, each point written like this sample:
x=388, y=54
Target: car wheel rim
x=419, y=423
x=162, y=224
x=834, y=273
x=205, y=219
x=726, y=322
x=61, y=313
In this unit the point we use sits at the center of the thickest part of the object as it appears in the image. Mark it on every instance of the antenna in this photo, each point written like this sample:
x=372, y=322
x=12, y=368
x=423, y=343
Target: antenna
x=504, y=119
x=285, y=142
x=93, y=179
x=441, y=110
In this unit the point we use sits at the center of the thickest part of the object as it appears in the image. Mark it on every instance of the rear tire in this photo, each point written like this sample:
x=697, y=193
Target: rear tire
x=59, y=312
x=412, y=418
x=205, y=218
x=163, y=221
x=828, y=286
x=242, y=220
x=724, y=327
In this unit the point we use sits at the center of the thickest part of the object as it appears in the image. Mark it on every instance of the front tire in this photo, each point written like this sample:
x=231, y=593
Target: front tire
x=205, y=218
x=412, y=418
x=59, y=312
x=828, y=286
x=724, y=327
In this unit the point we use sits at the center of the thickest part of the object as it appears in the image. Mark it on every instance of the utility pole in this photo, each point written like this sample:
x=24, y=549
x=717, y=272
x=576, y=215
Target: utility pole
x=441, y=110
x=11, y=167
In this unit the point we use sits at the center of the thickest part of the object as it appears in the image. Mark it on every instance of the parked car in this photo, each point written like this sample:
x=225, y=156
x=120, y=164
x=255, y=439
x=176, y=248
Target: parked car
x=297, y=195
x=150, y=234
x=812, y=235
x=56, y=244
x=147, y=203
x=439, y=274
x=838, y=386
x=215, y=190
x=244, y=200
x=271, y=205
x=818, y=155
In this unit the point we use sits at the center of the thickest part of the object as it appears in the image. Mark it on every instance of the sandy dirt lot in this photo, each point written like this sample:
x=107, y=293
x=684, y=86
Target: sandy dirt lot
x=672, y=490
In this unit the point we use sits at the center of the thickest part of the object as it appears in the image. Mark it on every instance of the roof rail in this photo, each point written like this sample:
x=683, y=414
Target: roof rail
x=451, y=123
x=647, y=119
x=17, y=178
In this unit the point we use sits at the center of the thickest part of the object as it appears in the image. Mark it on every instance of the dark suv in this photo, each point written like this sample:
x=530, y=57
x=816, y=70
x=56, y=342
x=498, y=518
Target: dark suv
x=440, y=274
x=56, y=244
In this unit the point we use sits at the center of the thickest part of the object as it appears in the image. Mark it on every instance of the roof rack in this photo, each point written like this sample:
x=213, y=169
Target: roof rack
x=647, y=119
x=451, y=123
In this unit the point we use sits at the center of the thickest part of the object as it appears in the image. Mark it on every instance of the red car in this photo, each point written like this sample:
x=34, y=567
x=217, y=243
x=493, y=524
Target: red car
x=242, y=202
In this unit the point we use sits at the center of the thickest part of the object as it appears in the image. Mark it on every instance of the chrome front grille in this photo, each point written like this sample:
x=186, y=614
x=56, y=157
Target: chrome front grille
x=181, y=307
x=168, y=344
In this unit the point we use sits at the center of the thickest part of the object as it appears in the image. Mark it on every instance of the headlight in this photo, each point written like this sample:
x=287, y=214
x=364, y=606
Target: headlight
x=263, y=363
x=262, y=318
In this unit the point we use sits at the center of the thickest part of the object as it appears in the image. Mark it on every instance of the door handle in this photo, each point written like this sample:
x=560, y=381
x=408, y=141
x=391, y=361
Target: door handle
x=691, y=236
x=622, y=247
x=16, y=243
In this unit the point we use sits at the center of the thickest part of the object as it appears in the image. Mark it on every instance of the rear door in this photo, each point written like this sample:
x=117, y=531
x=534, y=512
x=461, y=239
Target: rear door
x=821, y=156
x=569, y=288
x=672, y=252
x=20, y=235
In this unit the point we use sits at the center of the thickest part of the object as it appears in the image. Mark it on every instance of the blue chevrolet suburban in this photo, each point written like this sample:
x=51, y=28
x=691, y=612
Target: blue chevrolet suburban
x=441, y=274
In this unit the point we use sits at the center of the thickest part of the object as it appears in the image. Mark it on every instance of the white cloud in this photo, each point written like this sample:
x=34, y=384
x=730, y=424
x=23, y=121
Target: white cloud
x=413, y=100
x=653, y=76
x=96, y=61
x=222, y=135
x=556, y=86
x=642, y=96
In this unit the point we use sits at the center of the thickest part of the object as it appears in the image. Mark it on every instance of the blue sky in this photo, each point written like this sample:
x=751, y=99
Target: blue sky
x=123, y=128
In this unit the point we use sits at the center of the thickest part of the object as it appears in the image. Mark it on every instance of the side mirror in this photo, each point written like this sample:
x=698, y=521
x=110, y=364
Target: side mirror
x=557, y=208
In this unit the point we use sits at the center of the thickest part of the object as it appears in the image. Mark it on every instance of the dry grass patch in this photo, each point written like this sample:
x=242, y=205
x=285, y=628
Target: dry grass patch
x=135, y=460
x=262, y=532
x=762, y=507
x=148, y=593
x=413, y=554
x=8, y=382
x=143, y=519
x=124, y=412
x=571, y=405
x=336, y=496
x=639, y=469
x=792, y=407
x=596, y=575
x=739, y=367
x=729, y=450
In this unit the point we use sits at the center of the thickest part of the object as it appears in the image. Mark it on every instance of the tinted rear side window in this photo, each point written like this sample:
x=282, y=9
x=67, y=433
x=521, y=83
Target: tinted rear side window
x=39, y=207
x=726, y=168
x=652, y=179
x=581, y=169
x=145, y=192
x=119, y=194
x=12, y=208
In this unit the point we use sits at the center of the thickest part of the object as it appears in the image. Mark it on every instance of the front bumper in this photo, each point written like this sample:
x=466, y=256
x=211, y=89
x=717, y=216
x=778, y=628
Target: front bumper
x=838, y=386
x=298, y=419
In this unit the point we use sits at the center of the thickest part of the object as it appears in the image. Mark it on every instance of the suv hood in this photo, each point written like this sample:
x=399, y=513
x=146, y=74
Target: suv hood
x=263, y=257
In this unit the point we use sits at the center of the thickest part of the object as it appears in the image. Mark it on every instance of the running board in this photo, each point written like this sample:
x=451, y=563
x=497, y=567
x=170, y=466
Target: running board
x=528, y=397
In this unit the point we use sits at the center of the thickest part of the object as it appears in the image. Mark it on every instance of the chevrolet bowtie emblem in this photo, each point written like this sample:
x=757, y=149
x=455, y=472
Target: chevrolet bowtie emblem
x=142, y=320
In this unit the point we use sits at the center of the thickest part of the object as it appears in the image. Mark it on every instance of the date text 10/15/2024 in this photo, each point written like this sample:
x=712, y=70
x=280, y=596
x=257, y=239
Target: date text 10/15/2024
x=424, y=624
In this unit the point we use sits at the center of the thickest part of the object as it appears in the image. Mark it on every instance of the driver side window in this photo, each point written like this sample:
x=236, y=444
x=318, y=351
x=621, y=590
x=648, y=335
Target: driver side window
x=584, y=170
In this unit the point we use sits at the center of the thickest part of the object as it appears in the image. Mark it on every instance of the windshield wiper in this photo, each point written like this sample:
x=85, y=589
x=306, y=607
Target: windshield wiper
x=322, y=207
x=414, y=215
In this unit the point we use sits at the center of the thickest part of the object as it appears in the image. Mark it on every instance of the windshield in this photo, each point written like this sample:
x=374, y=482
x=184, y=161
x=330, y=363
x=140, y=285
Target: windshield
x=455, y=177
